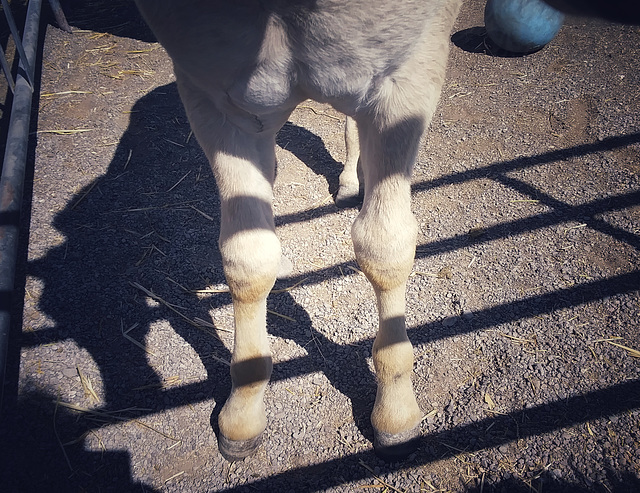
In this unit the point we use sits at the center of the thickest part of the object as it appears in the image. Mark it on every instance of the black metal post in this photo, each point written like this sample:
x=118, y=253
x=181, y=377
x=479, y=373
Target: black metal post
x=12, y=179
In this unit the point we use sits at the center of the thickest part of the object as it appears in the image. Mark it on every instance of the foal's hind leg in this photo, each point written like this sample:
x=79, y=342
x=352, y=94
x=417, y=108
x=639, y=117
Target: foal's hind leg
x=350, y=179
x=244, y=166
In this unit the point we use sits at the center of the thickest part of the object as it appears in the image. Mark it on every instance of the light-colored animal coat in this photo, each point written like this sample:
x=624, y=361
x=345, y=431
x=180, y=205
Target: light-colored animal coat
x=242, y=67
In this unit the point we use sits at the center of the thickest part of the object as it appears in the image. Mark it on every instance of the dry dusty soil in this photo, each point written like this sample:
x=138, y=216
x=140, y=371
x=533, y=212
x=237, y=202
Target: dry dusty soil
x=523, y=306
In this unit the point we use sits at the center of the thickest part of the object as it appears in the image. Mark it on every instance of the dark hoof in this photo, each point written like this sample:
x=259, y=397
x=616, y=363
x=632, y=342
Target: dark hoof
x=394, y=448
x=348, y=197
x=234, y=450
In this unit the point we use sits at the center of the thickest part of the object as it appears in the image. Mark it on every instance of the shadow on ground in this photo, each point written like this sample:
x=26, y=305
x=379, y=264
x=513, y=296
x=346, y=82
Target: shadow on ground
x=133, y=226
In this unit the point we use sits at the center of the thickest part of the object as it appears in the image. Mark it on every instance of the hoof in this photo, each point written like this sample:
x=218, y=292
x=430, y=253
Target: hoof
x=234, y=450
x=395, y=447
x=348, y=197
x=285, y=269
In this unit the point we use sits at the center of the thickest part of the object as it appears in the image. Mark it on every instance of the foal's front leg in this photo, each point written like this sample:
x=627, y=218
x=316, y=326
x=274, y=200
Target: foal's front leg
x=251, y=257
x=384, y=238
x=384, y=233
x=243, y=162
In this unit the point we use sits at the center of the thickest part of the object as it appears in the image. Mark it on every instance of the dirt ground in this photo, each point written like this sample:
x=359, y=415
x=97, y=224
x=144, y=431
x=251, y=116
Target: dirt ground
x=523, y=306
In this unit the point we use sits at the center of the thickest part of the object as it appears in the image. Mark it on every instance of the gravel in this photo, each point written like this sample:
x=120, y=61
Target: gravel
x=524, y=299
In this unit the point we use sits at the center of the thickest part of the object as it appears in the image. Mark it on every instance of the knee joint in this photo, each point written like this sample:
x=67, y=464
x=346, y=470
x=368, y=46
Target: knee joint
x=385, y=249
x=251, y=260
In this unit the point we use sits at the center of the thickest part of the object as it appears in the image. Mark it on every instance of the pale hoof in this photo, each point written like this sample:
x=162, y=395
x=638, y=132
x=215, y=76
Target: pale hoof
x=285, y=269
x=395, y=447
x=234, y=450
x=348, y=197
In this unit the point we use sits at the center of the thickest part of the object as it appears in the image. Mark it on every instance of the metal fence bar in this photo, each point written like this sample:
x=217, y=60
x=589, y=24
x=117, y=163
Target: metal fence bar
x=16, y=38
x=7, y=70
x=13, y=171
x=59, y=15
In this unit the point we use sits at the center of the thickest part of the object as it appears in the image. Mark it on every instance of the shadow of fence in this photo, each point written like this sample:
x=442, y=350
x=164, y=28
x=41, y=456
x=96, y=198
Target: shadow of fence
x=98, y=226
x=121, y=216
